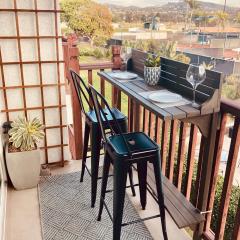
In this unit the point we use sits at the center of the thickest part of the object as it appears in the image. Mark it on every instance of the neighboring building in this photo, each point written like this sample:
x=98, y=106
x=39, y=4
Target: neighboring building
x=115, y=25
x=218, y=38
x=227, y=67
x=143, y=35
x=134, y=29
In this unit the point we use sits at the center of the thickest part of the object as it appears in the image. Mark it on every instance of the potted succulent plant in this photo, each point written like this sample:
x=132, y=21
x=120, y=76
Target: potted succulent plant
x=22, y=153
x=152, y=69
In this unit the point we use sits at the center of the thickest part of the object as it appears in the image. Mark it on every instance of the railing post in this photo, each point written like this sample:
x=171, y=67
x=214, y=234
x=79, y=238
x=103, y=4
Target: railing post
x=71, y=54
x=116, y=58
x=206, y=170
x=117, y=64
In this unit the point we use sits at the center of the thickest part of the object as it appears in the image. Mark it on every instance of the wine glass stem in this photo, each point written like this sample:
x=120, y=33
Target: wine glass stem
x=194, y=104
x=194, y=95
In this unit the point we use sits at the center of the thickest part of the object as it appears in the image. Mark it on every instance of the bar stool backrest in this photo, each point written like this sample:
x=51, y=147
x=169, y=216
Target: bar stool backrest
x=83, y=92
x=104, y=121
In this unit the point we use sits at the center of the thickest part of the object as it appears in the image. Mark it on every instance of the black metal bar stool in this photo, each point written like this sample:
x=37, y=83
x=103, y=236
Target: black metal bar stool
x=123, y=150
x=92, y=129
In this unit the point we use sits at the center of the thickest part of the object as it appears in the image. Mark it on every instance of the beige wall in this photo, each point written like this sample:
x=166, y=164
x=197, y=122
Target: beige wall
x=229, y=43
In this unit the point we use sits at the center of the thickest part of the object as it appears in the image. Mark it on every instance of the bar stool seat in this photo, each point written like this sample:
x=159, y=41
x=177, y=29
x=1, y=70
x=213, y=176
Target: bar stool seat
x=91, y=115
x=138, y=143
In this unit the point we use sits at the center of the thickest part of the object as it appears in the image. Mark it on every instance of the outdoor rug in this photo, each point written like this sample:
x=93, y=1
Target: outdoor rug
x=66, y=213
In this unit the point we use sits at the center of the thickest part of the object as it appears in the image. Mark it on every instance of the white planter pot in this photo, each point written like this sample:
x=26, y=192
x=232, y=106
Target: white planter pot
x=23, y=168
x=152, y=75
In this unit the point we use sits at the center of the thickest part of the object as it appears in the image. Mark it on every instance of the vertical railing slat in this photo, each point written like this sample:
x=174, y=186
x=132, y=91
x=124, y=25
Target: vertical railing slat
x=181, y=154
x=90, y=78
x=102, y=87
x=172, y=148
x=190, y=160
x=157, y=136
x=228, y=180
x=146, y=121
x=164, y=144
x=236, y=229
x=150, y=124
x=199, y=171
x=143, y=119
x=118, y=101
x=136, y=116
x=130, y=115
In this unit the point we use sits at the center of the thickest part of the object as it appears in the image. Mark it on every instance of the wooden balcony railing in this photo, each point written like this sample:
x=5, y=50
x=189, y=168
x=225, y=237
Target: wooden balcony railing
x=181, y=148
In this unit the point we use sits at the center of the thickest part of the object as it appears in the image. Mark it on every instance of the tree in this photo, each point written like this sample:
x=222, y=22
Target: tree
x=88, y=18
x=222, y=17
x=238, y=18
x=192, y=4
x=201, y=18
x=169, y=50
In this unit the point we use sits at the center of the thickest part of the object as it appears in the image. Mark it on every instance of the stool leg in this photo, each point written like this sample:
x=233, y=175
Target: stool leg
x=157, y=172
x=106, y=166
x=120, y=179
x=142, y=178
x=130, y=173
x=124, y=129
x=85, y=148
x=95, y=152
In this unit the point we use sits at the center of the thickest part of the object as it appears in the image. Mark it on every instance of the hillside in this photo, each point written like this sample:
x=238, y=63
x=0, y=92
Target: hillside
x=162, y=6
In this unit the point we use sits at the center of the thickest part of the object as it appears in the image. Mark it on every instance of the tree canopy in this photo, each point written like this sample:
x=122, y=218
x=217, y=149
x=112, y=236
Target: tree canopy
x=238, y=18
x=222, y=17
x=88, y=18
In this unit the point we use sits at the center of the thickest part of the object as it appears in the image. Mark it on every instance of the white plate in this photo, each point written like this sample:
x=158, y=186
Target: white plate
x=124, y=75
x=165, y=97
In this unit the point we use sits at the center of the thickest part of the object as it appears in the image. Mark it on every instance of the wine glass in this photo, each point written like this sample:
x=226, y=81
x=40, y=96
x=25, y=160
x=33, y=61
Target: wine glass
x=196, y=74
x=126, y=53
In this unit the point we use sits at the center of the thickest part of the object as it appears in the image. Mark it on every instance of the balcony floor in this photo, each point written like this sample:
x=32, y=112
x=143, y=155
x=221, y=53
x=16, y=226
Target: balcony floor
x=23, y=220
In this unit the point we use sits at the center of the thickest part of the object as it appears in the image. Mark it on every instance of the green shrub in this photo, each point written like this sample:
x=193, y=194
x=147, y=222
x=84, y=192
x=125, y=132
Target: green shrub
x=108, y=53
x=234, y=199
x=231, y=87
x=98, y=53
x=235, y=194
x=86, y=51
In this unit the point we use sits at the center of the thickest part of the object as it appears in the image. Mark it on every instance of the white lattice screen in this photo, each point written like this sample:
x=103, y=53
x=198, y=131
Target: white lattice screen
x=31, y=70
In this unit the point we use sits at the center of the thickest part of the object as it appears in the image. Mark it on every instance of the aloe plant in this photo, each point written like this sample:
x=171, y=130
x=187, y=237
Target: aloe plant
x=153, y=60
x=25, y=134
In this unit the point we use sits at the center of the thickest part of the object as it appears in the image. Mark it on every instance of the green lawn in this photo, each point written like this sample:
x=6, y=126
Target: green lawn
x=91, y=59
x=108, y=90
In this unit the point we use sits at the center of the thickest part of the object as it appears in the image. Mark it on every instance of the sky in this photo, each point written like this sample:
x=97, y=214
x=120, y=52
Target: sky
x=235, y=3
x=145, y=3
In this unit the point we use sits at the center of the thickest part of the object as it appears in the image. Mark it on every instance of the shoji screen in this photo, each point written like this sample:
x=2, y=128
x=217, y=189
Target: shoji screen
x=32, y=71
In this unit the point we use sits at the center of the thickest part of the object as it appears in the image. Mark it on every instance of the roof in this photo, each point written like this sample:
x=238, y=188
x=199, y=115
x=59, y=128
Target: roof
x=184, y=46
x=217, y=29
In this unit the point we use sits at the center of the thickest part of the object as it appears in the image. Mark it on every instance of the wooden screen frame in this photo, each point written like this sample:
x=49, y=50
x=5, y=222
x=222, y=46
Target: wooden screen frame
x=39, y=62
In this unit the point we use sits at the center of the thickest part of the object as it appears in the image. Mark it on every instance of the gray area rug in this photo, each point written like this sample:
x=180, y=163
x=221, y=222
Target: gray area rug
x=66, y=213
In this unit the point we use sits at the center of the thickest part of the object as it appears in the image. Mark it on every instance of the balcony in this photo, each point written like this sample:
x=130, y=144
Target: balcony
x=182, y=146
